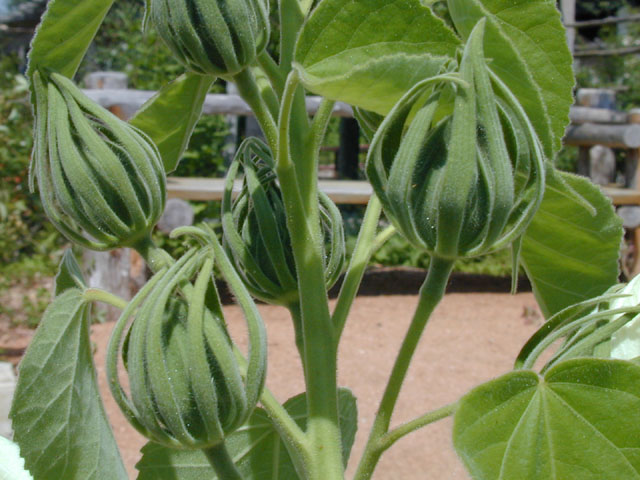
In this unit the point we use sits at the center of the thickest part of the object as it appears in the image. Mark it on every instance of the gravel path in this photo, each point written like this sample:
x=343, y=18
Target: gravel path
x=471, y=338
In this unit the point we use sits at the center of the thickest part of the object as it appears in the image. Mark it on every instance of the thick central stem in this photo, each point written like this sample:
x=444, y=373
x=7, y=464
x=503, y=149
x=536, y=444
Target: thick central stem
x=318, y=332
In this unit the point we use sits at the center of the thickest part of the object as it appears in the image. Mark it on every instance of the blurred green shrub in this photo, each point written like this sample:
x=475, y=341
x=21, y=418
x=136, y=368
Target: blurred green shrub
x=24, y=230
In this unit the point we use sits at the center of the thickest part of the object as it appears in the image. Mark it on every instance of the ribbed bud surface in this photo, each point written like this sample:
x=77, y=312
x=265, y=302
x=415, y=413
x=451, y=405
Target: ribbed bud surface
x=101, y=181
x=187, y=388
x=255, y=229
x=458, y=177
x=216, y=37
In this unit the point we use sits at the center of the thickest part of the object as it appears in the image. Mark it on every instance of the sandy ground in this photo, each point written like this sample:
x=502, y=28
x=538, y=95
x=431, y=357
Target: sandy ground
x=472, y=337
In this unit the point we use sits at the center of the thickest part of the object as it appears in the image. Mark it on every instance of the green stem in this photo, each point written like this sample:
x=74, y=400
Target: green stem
x=392, y=436
x=155, y=257
x=431, y=293
x=307, y=163
x=222, y=462
x=291, y=19
x=296, y=317
x=357, y=264
x=270, y=68
x=97, y=295
x=320, y=123
x=249, y=91
x=382, y=238
x=320, y=348
x=290, y=433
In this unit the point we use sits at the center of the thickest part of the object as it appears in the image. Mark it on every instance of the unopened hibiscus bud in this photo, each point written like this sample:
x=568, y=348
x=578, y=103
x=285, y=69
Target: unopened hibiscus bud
x=188, y=388
x=255, y=231
x=214, y=37
x=101, y=180
x=458, y=180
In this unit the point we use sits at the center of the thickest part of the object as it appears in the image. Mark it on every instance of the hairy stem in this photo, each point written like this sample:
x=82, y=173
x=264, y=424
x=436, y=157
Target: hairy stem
x=271, y=69
x=222, y=462
x=431, y=293
x=249, y=91
x=296, y=318
x=357, y=264
x=291, y=434
x=320, y=349
x=98, y=295
x=392, y=436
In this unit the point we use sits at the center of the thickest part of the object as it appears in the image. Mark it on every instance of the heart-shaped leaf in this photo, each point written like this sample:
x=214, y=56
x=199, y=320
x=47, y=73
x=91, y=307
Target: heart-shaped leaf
x=170, y=116
x=369, y=53
x=525, y=42
x=580, y=422
x=57, y=413
x=256, y=447
x=570, y=250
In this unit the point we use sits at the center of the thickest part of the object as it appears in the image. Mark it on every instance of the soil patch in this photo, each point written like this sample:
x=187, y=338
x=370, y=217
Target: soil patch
x=471, y=338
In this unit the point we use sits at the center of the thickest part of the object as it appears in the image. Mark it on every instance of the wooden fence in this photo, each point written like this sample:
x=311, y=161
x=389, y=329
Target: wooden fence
x=589, y=126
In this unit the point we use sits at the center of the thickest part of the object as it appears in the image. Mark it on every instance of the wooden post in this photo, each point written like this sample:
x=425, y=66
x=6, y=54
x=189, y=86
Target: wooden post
x=347, y=159
x=632, y=175
x=568, y=8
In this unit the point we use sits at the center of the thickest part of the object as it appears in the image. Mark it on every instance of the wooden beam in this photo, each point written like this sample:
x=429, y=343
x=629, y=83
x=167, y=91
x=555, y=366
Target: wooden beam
x=603, y=21
x=607, y=52
x=622, y=196
x=579, y=115
x=355, y=192
x=614, y=136
x=130, y=101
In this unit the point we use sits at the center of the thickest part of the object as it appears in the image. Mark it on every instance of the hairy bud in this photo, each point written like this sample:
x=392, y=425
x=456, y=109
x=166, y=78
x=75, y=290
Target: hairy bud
x=256, y=234
x=458, y=180
x=213, y=37
x=101, y=180
x=187, y=387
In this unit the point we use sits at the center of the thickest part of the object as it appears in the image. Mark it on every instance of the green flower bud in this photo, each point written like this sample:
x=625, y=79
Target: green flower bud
x=188, y=389
x=101, y=180
x=255, y=229
x=464, y=179
x=212, y=36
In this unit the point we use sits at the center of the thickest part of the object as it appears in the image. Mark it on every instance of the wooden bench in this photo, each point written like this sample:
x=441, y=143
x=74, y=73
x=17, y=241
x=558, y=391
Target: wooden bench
x=352, y=192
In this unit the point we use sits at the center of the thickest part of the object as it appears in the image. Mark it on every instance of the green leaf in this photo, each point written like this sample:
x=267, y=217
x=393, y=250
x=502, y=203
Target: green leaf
x=369, y=53
x=11, y=463
x=581, y=422
x=64, y=34
x=526, y=44
x=570, y=250
x=256, y=447
x=69, y=274
x=57, y=413
x=170, y=116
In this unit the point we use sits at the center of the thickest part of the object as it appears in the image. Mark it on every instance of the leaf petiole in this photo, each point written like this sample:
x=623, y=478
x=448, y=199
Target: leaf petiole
x=98, y=295
x=392, y=436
